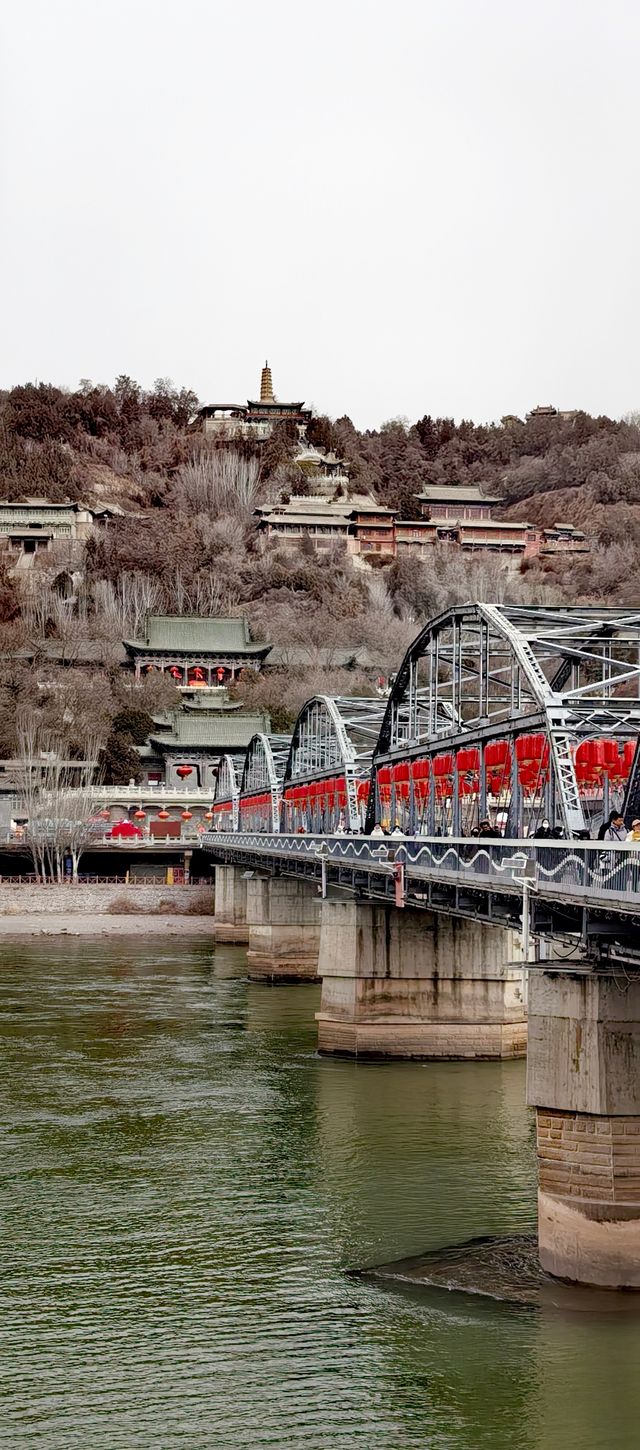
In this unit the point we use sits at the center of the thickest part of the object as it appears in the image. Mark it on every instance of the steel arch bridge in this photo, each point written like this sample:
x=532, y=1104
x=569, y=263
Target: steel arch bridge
x=512, y=711
x=226, y=796
x=326, y=781
x=261, y=784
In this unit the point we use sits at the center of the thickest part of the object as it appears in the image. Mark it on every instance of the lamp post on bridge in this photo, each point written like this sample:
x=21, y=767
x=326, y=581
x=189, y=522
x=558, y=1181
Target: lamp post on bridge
x=528, y=881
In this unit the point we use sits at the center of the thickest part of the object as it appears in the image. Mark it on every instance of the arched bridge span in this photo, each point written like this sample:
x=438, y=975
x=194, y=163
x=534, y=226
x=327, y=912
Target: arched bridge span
x=326, y=781
x=511, y=713
x=261, y=783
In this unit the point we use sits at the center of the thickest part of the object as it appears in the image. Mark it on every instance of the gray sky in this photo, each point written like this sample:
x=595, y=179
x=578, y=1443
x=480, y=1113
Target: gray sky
x=409, y=207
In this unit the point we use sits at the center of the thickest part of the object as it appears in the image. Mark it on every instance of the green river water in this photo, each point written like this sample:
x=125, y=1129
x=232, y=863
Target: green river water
x=184, y=1184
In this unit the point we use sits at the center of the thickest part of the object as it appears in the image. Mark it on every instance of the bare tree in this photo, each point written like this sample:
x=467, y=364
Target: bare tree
x=56, y=796
x=220, y=482
x=122, y=608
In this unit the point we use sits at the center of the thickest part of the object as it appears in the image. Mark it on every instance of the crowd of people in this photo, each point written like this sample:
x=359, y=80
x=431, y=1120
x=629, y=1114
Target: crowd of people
x=614, y=828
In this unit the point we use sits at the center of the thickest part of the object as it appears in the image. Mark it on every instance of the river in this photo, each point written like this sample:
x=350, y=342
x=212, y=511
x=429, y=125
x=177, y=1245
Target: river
x=185, y=1183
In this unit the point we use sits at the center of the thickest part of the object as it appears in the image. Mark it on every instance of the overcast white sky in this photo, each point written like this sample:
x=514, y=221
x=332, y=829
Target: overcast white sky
x=423, y=206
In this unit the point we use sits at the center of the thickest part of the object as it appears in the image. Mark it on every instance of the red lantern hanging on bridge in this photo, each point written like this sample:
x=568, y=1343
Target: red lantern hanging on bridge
x=140, y=815
x=401, y=776
x=497, y=760
x=163, y=815
x=468, y=767
x=384, y=783
x=184, y=770
x=627, y=757
x=420, y=778
x=532, y=757
x=187, y=815
x=443, y=775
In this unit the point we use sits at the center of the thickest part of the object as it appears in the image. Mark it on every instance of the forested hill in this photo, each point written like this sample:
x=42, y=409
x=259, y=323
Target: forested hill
x=138, y=449
x=50, y=438
x=517, y=460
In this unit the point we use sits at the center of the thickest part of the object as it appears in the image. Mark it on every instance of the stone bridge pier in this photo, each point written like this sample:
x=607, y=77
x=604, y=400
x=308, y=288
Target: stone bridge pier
x=403, y=983
x=583, y=1076
x=230, y=921
x=283, y=922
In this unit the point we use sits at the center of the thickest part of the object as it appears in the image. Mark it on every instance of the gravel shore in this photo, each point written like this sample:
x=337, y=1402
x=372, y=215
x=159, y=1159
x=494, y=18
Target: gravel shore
x=131, y=924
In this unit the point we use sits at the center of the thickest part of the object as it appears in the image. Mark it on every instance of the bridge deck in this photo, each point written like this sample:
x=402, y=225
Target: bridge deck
x=568, y=881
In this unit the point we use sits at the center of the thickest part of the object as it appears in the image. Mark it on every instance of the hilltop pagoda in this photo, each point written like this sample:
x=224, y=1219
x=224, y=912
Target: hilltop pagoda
x=254, y=419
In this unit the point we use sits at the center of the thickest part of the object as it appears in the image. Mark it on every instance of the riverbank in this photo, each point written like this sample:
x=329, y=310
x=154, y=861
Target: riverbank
x=136, y=924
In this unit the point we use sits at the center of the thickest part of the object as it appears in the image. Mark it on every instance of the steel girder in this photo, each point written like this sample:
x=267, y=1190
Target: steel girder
x=264, y=767
x=228, y=787
x=335, y=734
x=483, y=669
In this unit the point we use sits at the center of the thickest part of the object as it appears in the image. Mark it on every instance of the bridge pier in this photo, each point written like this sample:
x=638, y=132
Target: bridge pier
x=584, y=1082
x=402, y=983
x=283, y=919
x=230, y=921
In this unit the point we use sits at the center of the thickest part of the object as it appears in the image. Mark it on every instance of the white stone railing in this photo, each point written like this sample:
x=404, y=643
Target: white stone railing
x=174, y=794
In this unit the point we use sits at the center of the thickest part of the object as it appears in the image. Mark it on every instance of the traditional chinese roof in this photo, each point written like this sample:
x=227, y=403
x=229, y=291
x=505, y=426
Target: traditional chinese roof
x=215, y=731
x=313, y=509
x=171, y=633
x=455, y=493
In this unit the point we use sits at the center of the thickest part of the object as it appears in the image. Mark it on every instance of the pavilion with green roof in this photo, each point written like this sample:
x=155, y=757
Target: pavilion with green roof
x=195, y=652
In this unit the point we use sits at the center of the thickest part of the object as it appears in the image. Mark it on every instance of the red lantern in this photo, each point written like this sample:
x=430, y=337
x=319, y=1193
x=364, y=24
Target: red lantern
x=184, y=770
x=400, y=775
x=139, y=815
x=532, y=755
x=627, y=758
x=175, y=673
x=186, y=815
x=220, y=674
x=443, y=775
x=163, y=815
x=208, y=815
x=497, y=759
x=468, y=764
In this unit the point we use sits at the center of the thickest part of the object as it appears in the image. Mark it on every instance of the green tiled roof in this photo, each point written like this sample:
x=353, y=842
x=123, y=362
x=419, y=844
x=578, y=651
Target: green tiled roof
x=220, y=733
x=190, y=632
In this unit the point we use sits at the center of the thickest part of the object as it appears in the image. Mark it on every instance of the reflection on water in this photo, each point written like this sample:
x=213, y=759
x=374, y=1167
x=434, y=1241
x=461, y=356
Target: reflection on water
x=184, y=1184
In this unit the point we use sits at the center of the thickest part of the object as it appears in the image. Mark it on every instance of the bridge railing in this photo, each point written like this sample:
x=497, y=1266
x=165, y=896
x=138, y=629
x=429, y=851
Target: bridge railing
x=569, y=869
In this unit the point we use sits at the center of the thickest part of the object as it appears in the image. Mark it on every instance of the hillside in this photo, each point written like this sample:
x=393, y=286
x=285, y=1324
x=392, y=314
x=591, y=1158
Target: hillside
x=183, y=538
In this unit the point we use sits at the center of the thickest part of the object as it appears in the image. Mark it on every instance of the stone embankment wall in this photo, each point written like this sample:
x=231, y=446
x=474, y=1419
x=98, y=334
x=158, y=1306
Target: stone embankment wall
x=100, y=900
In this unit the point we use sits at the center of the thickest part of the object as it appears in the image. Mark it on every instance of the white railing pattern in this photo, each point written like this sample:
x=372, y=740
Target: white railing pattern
x=562, y=870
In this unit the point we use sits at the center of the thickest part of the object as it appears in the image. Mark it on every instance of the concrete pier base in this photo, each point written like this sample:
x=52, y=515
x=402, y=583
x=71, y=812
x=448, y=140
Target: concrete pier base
x=283, y=918
x=584, y=1080
x=230, y=922
x=402, y=983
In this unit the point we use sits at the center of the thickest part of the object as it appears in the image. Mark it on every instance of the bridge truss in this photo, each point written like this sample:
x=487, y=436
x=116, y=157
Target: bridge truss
x=261, y=783
x=226, y=796
x=491, y=709
x=327, y=774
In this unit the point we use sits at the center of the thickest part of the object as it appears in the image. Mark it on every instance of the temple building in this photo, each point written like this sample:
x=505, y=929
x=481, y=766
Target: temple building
x=34, y=525
x=456, y=501
x=196, y=653
x=359, y=523
x=255, y=418
x=186, y=745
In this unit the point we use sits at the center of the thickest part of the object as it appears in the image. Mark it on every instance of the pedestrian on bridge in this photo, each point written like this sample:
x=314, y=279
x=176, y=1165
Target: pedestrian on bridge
x=485, y=828
x=634, y=833
x=615, y=829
